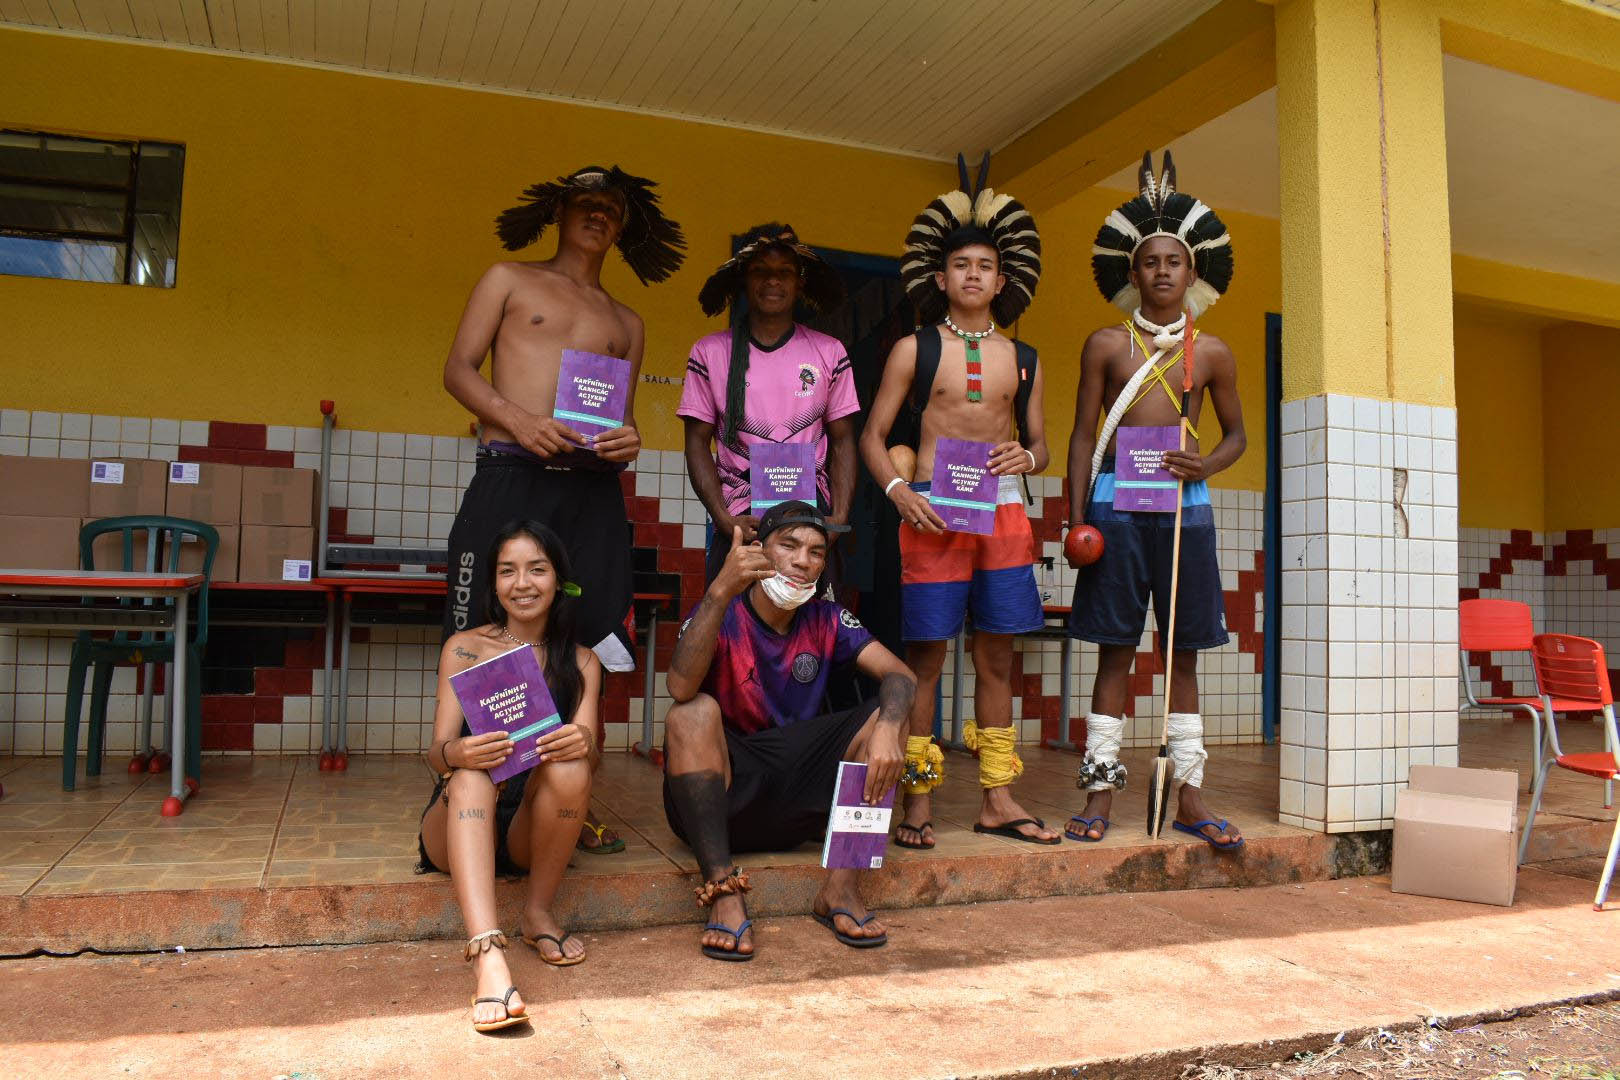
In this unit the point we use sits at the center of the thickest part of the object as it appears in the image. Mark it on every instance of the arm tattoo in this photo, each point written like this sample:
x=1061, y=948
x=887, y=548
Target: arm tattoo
x=895, y=695
x=465, y=654
x=694, y=649
x=468, y=815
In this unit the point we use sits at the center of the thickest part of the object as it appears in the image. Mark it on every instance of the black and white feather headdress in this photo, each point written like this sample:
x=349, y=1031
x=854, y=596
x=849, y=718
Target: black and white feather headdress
x=1003, y=218
x=823, y=289
x=651, y=243
x=1161, y=210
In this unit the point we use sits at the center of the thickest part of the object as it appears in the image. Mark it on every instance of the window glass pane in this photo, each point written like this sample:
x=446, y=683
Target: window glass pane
x=157, y=215
x=27, y=207
x=75, y=260
x=37, y=156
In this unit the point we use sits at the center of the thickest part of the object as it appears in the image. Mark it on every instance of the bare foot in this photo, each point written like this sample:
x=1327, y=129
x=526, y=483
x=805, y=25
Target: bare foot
x=729, y=911
x=1000, y=808
x=493, y=978
x=1191, y=809
x=839, y=891
x=915, y=830
x=1098, y=803
x=536, y=921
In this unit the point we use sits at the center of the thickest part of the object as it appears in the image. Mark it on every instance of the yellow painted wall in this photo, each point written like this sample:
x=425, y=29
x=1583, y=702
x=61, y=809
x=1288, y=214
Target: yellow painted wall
x=1580, y=401
x=333, y=225
x=1500, y=467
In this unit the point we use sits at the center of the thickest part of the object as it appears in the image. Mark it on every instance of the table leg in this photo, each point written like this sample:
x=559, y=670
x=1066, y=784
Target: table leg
x=340, y=748
x=957, y=654
x=1065, y=740
x=326, y=683
x=180, y=786
x=144, y=750
x=645, y=746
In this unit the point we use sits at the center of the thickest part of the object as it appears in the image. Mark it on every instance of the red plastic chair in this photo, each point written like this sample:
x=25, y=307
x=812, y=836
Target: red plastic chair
x=1499, y=626
x=1574, y=677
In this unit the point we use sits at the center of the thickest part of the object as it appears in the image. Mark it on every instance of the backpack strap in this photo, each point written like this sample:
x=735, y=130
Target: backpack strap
x=907, y=430
x=1027, y=362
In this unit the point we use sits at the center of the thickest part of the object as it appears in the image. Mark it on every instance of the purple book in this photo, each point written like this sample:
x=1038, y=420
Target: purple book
x=857, y=834
x=508, y=693
x=780, y=472
x=591, y=391
x=1141, y=482
x=963, y=491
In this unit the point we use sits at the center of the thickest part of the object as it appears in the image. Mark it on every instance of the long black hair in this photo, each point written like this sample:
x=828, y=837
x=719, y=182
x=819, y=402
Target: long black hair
x=561, y=641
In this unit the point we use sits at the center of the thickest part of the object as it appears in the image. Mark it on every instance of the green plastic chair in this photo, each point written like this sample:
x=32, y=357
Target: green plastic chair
x=157, y=552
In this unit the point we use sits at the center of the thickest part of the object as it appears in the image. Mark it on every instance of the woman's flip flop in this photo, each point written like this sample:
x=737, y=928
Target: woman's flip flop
x=1197, y=829
x=563, y=959
x=1010, y=831
x=717, y=952
x=1089, y=823
x=612, y=847
x=853, y=942
x=509, y=1020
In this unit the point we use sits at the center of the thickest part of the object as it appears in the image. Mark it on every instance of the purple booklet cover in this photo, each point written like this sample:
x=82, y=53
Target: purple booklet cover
x=857, y=834
x=591, y=391
x=779, y=472
x=508, y=693
x=1141, y=482
x=963, y=490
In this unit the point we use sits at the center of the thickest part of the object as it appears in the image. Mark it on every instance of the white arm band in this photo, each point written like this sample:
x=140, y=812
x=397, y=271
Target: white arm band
x=890, y=485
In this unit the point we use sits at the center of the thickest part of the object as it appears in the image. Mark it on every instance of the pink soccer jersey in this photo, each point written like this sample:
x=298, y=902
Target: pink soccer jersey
x=794, y=390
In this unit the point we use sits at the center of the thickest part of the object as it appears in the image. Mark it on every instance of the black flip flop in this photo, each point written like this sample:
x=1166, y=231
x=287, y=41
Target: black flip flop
x=511, y=1019
x=717, y=952
x=1010, y=831
x=853, y=942
x=916, y=829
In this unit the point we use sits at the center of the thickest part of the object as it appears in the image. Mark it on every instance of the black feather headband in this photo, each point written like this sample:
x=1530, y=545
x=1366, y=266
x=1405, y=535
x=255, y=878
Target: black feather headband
x=1161, y=210
x=651, y=243
x=1011, y=229
x=823, y=289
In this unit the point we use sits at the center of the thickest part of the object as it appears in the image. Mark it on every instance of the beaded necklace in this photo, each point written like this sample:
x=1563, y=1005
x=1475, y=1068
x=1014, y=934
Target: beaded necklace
x=975, y=368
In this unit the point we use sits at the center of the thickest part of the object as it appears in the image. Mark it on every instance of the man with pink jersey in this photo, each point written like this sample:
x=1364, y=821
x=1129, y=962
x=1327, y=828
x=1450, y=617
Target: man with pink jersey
x=768, y=379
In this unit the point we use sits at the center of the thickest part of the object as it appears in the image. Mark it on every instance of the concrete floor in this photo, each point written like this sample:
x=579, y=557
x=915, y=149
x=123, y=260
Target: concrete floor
x=977, y=990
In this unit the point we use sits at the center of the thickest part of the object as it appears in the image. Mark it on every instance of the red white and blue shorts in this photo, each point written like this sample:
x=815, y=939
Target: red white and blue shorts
x=944, y=576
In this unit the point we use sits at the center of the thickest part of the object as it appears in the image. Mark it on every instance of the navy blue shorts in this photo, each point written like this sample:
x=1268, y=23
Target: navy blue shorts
x=1111, y=595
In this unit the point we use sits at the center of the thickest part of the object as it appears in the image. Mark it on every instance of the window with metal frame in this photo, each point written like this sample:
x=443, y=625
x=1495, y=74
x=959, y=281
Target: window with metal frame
x=90, y=209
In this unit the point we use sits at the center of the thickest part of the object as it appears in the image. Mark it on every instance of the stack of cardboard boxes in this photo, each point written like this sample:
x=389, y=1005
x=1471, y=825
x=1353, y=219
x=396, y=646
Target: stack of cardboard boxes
x=265, y=517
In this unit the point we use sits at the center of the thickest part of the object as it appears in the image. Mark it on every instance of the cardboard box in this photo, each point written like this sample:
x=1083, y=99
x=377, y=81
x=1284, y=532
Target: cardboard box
x=34, y=487
x=109, y=549
x=205, y=491
x=225, y=558
x=277, y=553
x=39, y=543
x=1457, y=835
x=279, y=496
x=123, y=486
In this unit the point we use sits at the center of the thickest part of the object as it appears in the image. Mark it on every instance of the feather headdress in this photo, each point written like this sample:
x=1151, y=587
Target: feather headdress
x=651, y=243
x=823, y=289
x=1161, y=210
x=1010, y=228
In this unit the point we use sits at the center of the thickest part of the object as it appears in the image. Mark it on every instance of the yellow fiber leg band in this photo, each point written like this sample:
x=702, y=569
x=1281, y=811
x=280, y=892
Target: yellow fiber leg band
x=999, y=763
x=925, y=765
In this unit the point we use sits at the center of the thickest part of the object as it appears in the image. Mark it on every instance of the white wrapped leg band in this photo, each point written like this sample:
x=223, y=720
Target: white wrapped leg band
x=1101, y=769
x=1187, y=751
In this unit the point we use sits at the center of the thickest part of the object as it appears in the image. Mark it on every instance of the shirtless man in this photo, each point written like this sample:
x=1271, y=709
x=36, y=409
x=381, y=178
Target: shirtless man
x=967, y=259
x=1135, y=371
x=532, y=466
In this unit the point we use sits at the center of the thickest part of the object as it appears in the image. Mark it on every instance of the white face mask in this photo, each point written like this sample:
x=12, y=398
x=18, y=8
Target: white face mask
x=786, y=593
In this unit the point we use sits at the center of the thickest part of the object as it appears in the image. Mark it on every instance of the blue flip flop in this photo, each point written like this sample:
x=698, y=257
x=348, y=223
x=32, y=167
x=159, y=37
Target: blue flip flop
x=1089, y=823
x=1197, y=827
x=716, y=952
x=853, y=942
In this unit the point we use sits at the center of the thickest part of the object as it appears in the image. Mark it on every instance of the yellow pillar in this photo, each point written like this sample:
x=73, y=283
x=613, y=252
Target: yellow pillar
x=1365, y=222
